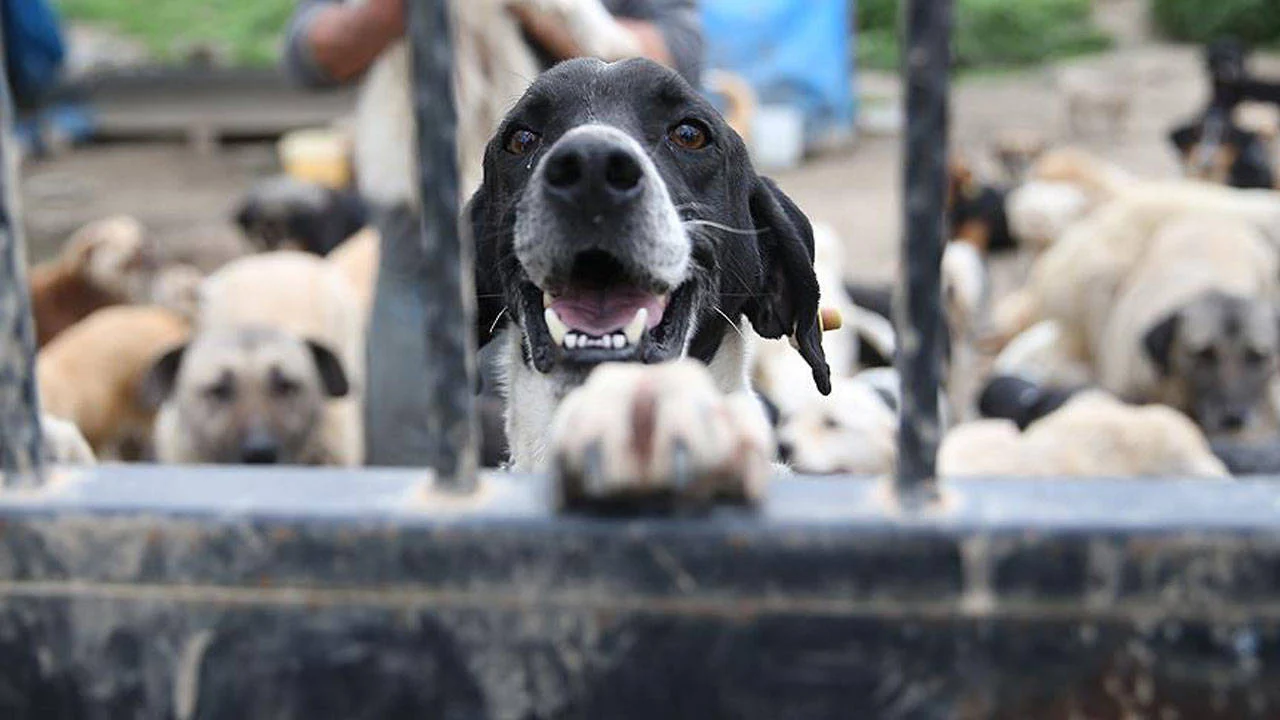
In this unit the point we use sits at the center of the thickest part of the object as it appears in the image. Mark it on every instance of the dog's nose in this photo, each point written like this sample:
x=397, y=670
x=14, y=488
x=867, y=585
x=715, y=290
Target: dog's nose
x=588, y=171
x=259, y=449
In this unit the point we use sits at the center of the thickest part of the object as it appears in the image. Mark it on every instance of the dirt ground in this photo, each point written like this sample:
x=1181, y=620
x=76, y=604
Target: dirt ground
x=186, y=198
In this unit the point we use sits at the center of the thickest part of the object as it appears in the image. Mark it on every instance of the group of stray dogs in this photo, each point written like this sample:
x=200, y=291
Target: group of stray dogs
x=1147, y=326
x=259, y=362
x=1148, y=322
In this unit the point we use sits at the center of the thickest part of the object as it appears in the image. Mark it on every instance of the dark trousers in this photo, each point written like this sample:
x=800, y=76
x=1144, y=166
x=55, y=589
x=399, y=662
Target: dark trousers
x=398, y=401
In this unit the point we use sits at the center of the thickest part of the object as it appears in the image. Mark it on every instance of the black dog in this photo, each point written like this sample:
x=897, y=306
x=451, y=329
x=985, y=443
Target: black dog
x=620, y=220
x=1247, y=158
x=282, y=212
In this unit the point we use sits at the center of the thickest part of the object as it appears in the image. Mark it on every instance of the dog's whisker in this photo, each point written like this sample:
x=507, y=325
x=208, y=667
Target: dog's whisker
x=497, y=320
x=723, y=228
x=732, y=324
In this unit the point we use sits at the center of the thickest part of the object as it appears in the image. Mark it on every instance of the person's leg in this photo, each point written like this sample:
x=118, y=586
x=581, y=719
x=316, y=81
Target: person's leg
x=398, y=401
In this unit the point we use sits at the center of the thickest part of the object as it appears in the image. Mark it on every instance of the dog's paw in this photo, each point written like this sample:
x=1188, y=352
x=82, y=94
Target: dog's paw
x=634, y=433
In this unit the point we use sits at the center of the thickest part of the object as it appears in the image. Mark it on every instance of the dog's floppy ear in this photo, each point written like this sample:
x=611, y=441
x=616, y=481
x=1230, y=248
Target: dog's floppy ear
x=1158, y=342
x=490, y=300
x=788, y=303
x=332, y=377
x=158, y=383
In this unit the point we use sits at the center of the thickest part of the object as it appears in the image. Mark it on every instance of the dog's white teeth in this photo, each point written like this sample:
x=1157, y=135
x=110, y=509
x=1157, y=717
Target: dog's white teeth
x=619, y=342
x=547, y=299
x=559, y=331
x=571, y=341
x=636, y=327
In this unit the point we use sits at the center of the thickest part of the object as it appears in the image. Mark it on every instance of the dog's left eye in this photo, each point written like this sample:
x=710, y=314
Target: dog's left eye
x=690, y=135
x=522, y=141
x=1253, y=356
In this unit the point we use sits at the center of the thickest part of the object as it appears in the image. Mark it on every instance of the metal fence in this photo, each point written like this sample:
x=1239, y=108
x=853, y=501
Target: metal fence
x=228, y=593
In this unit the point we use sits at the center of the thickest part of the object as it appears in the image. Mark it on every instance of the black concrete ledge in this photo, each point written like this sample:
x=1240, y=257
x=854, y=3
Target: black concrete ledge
x=161, y=592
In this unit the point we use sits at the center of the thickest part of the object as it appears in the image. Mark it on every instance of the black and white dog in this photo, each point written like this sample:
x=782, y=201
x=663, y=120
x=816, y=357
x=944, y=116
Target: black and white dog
x=620, y=220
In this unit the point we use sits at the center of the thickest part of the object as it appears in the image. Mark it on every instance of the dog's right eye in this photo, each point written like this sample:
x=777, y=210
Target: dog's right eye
x=522, y=141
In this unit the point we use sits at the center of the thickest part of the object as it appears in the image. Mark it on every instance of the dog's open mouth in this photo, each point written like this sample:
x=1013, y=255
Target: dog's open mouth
x=603, y=312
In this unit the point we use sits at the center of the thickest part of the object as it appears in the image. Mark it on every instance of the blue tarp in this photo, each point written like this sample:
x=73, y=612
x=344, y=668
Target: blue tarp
x=794, y=52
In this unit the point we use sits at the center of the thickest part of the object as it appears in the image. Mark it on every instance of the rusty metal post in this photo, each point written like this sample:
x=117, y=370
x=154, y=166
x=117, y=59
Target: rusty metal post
x=19, y=407
x=918, y=311
x=450, y=371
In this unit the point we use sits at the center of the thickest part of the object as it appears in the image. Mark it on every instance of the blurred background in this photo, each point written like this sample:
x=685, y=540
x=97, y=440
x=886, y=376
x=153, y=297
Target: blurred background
x=169, y=110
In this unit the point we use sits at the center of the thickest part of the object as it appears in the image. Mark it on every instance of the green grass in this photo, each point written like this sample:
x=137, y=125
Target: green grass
x=249, y=30
x=990, y=33
x=1254, y=21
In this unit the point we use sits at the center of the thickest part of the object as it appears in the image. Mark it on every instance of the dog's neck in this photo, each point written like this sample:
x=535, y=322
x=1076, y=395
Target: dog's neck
x=533, y=397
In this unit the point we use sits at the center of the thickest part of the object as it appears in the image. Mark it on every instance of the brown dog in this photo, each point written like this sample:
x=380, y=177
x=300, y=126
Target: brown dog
x=108, y=262
x=92, y=375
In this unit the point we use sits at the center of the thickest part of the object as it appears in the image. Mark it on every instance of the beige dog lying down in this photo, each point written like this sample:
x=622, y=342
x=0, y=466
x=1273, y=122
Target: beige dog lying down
x=1093, y=435
x=1195, y=324
x=278, y=335
x=1077, y=280
x=92, y=375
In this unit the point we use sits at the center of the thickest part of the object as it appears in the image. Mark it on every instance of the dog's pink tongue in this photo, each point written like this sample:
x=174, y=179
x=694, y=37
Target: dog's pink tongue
x=602, y=311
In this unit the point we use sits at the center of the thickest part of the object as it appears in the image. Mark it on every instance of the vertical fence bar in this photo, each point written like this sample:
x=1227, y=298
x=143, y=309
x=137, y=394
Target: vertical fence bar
x=450, y=298
x=918, y=310
x=19, y=408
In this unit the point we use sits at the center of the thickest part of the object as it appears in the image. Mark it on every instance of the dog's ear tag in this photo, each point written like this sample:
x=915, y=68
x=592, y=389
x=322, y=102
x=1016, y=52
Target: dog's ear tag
x=829, y=319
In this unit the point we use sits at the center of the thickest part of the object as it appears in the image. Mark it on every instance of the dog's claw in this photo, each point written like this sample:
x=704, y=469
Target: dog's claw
x=682, y=475
x=593, y=476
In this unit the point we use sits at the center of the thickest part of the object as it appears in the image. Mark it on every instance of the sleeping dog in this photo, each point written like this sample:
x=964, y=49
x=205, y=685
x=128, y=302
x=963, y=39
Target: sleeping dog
x=620, y=221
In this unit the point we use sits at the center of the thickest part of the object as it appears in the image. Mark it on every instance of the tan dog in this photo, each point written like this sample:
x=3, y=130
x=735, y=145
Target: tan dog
x=1195, y=324
x=108, y=262
x=92, y=375
x=308, y=298
x=248, y=394
x=1094, y=435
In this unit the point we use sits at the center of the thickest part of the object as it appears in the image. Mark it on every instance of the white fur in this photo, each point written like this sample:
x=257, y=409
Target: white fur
x=852, y=430
x=1093, y=435
x=1040, y=212
x=665, y=253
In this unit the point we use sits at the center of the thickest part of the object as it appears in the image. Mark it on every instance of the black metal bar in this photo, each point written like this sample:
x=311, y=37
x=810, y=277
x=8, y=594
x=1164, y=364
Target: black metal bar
x=225, y=593
x=927, y=62
x=19, y=405
x=450, y=370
